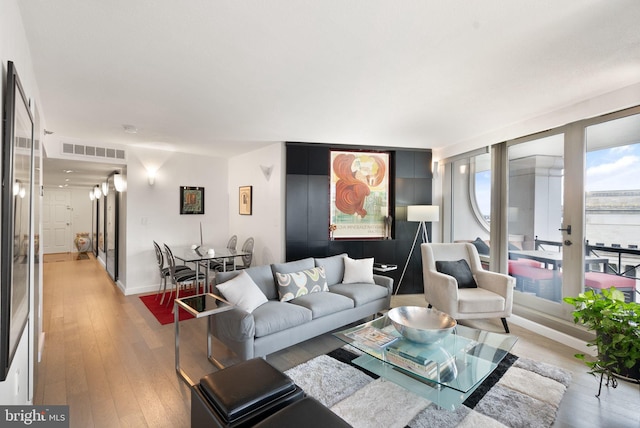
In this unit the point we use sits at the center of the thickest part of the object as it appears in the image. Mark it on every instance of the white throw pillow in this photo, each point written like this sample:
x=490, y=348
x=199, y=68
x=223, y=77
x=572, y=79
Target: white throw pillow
x=358, y=270
x=242, y=292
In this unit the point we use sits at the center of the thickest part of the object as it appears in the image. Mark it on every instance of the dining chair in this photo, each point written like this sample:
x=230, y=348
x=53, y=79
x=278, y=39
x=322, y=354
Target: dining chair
x=224, y=264
x=247, y=247
x=164, y=270
x=183, y=277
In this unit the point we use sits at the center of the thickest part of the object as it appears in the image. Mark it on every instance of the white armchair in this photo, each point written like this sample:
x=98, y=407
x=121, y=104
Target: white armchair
x=493, y=296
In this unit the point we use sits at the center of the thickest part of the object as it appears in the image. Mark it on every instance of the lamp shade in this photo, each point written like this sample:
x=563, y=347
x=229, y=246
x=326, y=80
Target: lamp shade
x=423, y=213
x=118, y=182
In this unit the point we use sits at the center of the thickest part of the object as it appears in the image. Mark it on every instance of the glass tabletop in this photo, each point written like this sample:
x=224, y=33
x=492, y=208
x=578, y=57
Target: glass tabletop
x=197, y=254
x=445, y=372
x=202, y=305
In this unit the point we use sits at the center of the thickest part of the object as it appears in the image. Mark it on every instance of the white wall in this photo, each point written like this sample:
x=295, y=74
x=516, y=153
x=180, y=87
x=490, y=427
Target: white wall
x=266, y=224
x=153, y=212
x=582, y=109
x=14, y=47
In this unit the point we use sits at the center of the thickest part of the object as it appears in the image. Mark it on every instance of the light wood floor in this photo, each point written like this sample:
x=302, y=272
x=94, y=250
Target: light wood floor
x=108, y=358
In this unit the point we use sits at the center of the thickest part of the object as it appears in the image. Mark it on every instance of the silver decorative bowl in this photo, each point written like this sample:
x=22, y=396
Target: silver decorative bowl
x=420, y=324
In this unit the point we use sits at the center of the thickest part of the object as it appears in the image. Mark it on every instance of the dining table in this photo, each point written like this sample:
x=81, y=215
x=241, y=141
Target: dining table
x=204, y=254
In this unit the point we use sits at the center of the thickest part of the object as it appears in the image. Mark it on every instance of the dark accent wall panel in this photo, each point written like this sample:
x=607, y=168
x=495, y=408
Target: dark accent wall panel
x=307, y=209
x=297, y=206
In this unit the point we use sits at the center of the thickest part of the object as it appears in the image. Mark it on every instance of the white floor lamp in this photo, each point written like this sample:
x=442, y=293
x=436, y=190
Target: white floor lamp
x=422, y=214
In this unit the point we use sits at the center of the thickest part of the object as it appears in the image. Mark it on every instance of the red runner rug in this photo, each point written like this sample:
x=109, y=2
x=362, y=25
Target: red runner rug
x=163, y=312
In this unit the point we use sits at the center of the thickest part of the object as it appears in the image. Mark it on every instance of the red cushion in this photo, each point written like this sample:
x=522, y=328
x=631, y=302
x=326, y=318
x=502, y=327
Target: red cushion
x=602, y=280
x=524, y=270
x=528, y=262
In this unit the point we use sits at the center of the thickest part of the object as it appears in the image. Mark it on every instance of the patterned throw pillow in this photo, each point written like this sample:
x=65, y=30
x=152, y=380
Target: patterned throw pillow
x=296, y=284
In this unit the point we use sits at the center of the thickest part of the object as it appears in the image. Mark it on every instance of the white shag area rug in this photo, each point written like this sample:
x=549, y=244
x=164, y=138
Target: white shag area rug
x=522, y=393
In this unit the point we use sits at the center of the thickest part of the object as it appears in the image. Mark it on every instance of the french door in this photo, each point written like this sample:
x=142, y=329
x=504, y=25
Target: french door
x=573, y=198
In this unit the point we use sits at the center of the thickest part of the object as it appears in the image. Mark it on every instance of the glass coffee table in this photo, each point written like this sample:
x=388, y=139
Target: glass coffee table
x=446, y=372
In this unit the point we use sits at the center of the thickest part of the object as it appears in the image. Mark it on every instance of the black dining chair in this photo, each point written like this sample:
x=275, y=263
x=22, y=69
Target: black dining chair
x=247, y=247
x=183, y=277
x=165, y=271
x=227, y=263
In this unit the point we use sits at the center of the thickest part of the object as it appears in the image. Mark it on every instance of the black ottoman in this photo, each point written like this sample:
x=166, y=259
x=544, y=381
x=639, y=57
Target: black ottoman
x=307, y=413
x=241, y=395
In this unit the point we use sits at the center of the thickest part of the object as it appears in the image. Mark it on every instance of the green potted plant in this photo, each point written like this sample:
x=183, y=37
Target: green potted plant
x=617, y=327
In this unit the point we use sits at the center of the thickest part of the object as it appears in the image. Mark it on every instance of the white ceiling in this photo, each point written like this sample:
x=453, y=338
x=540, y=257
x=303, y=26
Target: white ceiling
x=226, y=77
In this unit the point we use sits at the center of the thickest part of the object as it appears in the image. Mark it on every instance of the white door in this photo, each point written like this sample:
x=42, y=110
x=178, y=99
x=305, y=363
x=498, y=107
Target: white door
x=56, y=221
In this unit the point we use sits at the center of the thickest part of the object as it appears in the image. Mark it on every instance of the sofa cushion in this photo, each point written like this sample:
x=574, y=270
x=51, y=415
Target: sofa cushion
x=261, y=275
x=321, y=304
x=296, y=284
x=333, y=267
x=275, y=316
x=242, y=292
x=458, y=269
x=293, y=266
x=358, y=271
x=361, y=294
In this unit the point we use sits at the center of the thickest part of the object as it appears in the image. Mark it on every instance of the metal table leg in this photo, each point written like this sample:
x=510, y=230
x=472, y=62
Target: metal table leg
x=181, y=373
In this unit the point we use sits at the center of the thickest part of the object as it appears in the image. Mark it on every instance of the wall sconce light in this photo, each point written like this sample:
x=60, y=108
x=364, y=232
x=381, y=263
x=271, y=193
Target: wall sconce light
x=105, y=188
x=22, y=192
x=92, y=195
x=267, y=170
x=434, y=169
x=96, y=192
x=463, y=169
x=151, y=175
x=16, y=188
x=119, y=183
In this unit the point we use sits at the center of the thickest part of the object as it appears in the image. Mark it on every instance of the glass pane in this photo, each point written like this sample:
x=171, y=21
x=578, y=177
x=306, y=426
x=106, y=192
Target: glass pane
x=536, y=170
x=482, y=186
x=612, y=205
x=471, y=201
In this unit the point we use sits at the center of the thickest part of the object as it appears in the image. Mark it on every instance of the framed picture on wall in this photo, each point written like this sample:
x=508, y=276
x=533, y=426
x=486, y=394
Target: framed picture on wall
x=359, y=195
x=191, y=200
x=16, y=233
x=244, y=197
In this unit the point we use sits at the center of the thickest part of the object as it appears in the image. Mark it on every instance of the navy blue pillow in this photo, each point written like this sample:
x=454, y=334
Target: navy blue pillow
x=458, y=269
x=481, y=246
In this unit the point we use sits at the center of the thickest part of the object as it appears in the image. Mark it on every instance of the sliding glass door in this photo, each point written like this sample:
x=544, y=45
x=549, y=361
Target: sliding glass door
x=535, y=214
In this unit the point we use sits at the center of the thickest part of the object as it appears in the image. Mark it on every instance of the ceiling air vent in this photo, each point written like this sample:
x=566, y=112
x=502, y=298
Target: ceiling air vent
x=80, y=150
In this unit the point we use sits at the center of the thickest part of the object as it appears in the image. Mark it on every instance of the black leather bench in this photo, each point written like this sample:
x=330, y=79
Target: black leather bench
x=307, y=413
x=241, y=395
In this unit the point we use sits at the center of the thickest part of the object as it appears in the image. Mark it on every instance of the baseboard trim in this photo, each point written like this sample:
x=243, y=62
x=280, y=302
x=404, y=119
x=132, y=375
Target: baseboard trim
x=565, y=339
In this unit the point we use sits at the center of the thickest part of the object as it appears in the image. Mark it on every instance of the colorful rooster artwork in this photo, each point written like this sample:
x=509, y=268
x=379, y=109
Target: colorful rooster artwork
x=359, y=191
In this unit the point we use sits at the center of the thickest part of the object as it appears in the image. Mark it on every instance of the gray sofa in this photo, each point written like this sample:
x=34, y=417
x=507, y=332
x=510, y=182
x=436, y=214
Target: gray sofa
x=276, y=325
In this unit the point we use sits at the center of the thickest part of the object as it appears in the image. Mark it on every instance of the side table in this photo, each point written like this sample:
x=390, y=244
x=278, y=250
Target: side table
x=200, y=306
x=381, y=267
